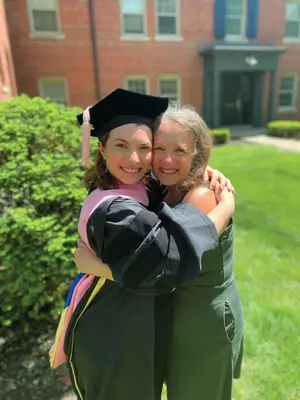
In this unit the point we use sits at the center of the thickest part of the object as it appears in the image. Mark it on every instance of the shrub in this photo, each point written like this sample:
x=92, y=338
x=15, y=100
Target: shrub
x=220, y=136
x=287, y=129
x=40, y=198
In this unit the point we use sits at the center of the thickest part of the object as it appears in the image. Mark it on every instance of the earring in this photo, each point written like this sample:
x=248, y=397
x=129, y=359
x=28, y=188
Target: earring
x=149, y=171
x=104, y=166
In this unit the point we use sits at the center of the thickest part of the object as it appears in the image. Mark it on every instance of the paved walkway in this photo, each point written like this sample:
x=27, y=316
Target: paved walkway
x=284, y=144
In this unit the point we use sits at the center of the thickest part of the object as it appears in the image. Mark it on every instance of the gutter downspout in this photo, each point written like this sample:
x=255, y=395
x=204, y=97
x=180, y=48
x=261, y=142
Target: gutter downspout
x=94, y=48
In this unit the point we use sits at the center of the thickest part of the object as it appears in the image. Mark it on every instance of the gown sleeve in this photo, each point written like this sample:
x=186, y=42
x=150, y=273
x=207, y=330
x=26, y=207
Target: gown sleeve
x=147, y=252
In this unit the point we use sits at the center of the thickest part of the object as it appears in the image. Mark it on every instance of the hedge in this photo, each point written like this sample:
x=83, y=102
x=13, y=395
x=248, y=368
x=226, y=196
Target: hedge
x=40, y=198
x=287, y=129
x=220, y=136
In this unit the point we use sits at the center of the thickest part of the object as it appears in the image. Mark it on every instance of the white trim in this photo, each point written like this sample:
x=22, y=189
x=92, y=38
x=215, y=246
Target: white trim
x=289, y=40
x=292, y=39
x=287, y=110
x=137, y=78
x=53, y=79
x=167, y=37
x=33, y=32
x=243, y=23
x=166, y=77
x=134, y=36
x=294, y=92
x=251, y=48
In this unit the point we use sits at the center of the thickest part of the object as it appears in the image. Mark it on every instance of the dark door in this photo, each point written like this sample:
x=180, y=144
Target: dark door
x=236, y=99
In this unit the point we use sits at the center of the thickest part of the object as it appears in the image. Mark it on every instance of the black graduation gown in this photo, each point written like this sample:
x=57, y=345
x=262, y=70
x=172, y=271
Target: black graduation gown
x=110, y=341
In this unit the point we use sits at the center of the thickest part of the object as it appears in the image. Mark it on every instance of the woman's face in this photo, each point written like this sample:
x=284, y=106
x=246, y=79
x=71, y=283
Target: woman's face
x=173, y=153
x=128, y=152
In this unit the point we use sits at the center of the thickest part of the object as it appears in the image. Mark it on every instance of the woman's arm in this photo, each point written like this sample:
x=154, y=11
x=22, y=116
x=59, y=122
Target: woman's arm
x=148, y=252
x=206, y=201
x=88, y=263
x=217, y=179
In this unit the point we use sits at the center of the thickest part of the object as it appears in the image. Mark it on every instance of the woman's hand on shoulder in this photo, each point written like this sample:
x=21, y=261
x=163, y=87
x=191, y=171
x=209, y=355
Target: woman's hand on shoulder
x=202, y=198
x=217, y=179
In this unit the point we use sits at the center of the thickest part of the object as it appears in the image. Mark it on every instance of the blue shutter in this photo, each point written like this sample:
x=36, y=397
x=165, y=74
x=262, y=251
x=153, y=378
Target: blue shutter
x=252, y=19
x=220, y=19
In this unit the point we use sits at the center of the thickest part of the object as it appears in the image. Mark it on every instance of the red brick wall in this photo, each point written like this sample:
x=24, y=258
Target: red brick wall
x=271, y=29
x=71, y=55
x=119, y=58
x=7, y=76
x=67, y=56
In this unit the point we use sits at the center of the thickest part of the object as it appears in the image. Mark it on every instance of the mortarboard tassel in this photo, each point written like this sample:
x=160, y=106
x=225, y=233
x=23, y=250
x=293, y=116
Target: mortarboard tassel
x=86, y=133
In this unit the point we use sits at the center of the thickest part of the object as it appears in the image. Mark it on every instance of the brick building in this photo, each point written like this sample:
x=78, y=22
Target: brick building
x=236, y=61
x=7, y=75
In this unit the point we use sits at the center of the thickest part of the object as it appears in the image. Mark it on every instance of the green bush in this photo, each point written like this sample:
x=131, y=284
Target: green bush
x=220, y=136
x=40, y=197
x=287, y=129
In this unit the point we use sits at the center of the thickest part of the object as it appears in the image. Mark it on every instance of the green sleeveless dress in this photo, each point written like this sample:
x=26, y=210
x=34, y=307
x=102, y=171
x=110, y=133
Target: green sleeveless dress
x=206, y=347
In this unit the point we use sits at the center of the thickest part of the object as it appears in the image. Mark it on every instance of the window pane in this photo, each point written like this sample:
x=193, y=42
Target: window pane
x=287, y=83
x=133, y=23
x=45, y=21
x=166, y=6
x=286, y=99
x=137, y=85
x=292, y=11
x=167, y=25
x=49, y=5
x=132, y=6
x=233, y=26
x=292, y=29
x=56, y=90
x=168, y=86
x=235, y=7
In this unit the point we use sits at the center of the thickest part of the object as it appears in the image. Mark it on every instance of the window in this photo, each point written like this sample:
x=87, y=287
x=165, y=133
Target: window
x=288, y=91
x=137, y=84
x=43, y=16
x=236, y=18
x=55, y=88
x=167, y=17
x=133, y=17
x=169, y=86
x=292, y=16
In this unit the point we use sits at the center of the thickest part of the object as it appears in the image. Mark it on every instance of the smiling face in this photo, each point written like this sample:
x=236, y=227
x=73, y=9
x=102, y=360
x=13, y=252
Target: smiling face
x=128, y=152
x=173, y=154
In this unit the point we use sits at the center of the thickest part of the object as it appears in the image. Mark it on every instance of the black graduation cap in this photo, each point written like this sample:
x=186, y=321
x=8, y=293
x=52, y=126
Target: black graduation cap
x=121, y=107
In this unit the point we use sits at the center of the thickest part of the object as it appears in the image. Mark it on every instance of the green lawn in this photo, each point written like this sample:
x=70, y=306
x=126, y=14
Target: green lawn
x=267, y=220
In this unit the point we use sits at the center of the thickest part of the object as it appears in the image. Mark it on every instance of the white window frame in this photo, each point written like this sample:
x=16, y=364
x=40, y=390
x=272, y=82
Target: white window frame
x=144, y=78
x=169, y=77
x=175, y=35
x=244, y=16
x=44, y=33
x=293, y=106
x=53, y=79
x=292, y=38
x=137, y=36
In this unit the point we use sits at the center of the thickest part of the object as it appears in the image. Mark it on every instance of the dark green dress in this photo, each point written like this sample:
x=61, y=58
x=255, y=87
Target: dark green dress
x=207, y=338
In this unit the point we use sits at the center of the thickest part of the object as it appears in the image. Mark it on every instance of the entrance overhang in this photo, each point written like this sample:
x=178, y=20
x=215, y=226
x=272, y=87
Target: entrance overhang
x=254, y=57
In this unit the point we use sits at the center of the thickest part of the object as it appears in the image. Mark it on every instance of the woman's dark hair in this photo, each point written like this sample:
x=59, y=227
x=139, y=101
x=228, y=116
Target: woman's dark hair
x=98, y=175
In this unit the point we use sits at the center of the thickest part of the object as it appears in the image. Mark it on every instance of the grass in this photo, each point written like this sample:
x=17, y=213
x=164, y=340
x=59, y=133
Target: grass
x=267, y=220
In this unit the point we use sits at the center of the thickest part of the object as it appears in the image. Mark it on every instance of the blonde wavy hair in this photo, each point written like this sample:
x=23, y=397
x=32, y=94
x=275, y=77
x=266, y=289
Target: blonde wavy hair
x=187, y=117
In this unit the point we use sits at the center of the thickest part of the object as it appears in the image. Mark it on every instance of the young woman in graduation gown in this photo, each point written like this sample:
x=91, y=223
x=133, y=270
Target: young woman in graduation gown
x=110, y=338
x=205, y=349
